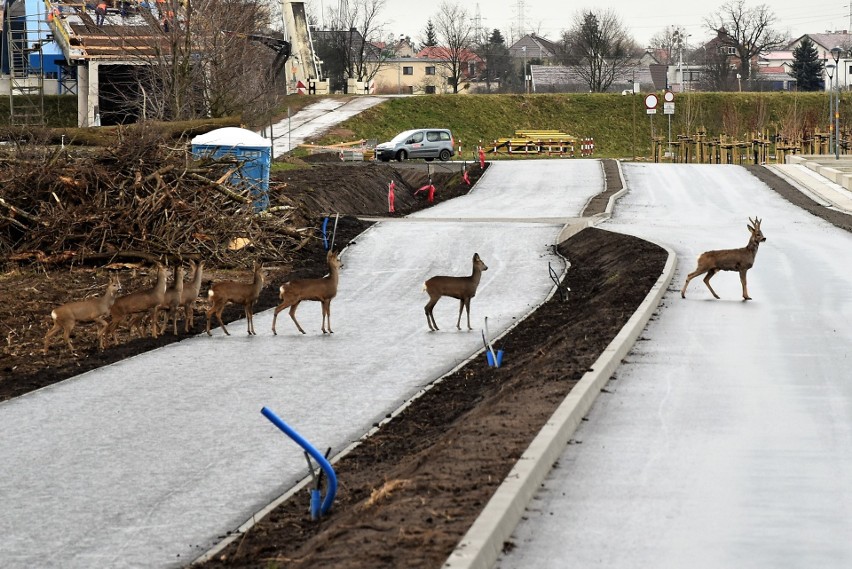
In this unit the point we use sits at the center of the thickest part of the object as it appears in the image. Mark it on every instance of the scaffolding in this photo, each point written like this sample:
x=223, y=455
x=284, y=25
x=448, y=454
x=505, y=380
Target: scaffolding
x=23, y=38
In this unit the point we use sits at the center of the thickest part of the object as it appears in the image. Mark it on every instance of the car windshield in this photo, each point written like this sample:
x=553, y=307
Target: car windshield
x=402, y=137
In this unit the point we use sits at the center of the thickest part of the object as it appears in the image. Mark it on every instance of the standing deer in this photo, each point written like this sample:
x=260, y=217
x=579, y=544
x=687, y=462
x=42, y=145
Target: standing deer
x=145, y=300
x=190, y=294
x=740, y=260
x=90, y=310
x=321, y=290
x=245, y=294
x=172, y=301
x=462, y=288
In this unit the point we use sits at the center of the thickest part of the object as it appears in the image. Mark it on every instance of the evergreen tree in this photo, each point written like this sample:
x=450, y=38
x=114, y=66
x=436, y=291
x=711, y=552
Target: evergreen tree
x=807, y=67
x=430, y=37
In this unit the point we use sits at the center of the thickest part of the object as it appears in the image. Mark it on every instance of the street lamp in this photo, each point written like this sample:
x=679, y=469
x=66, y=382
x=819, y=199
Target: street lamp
x=835, y=54
x=526, y=88
x=829, y=70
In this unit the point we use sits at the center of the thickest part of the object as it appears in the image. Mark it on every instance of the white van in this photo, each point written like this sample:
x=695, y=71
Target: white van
x=427, y=143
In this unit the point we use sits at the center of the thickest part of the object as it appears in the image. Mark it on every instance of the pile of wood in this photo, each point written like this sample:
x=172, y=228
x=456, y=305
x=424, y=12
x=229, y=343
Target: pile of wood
x=144, y=199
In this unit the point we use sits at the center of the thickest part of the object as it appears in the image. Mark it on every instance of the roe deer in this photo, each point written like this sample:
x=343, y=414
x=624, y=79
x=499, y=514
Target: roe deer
x=321, y=290
x=246, y=294
x=740, y=260
x=190, y=294
x=145, y=300
x=90, y=310
x=171, y=301
x=462, y=288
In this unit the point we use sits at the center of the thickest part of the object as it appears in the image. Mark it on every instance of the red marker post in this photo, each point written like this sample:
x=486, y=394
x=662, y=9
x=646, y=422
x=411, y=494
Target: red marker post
x=481, y=158
x=391, y=197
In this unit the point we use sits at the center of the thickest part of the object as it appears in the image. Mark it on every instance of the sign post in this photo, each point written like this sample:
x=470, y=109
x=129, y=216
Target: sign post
x=651, y=101
x=668, y=109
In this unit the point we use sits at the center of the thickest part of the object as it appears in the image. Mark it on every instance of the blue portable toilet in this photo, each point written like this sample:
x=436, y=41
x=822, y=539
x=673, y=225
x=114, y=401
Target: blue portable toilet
x=253, y=150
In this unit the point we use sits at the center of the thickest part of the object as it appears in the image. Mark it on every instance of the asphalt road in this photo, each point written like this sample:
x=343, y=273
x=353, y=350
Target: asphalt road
x=725, y=438
x=150, y=461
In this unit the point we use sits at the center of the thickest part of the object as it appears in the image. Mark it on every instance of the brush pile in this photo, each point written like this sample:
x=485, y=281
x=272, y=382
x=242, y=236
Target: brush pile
x=144, y=198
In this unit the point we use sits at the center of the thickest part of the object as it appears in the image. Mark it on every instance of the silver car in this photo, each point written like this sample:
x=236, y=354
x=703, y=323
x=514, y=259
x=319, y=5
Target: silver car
x=428, y=143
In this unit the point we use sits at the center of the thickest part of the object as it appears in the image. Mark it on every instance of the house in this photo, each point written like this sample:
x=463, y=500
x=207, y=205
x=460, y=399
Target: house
x=411, y=76
x=824, y=43
x=534, y=49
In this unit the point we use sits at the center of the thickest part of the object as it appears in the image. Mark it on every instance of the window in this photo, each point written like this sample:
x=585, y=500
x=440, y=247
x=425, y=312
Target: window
x=430, y=89
x=407, y=70
x=432, y=136
x=430, y=70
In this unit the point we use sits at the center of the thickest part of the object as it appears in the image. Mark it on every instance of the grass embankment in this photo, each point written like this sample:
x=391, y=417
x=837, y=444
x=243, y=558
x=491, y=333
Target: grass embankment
x=618, y=123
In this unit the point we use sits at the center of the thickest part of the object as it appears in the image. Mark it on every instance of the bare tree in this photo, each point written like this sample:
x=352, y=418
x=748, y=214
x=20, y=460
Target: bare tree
x=349, y=47
x=747, y=30
x=456, y=33
x=669, y=43
x=197, y=59
x=598, y=48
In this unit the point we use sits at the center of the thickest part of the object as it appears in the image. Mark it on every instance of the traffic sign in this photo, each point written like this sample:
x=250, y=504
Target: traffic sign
x=651, y=104
x=668, y=97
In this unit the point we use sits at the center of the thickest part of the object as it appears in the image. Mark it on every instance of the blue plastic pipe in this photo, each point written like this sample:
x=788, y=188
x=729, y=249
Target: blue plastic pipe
x=325, y=233
x=321, y=460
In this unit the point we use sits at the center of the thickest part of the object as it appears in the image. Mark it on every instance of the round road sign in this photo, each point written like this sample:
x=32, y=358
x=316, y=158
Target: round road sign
x=651, y=101
x=668, y=97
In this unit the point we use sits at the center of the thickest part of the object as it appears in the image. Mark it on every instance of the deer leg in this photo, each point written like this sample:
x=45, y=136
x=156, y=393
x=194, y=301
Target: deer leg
x=689, y=277
x=326, y=315
x=217, y=311
x=56, y=328
x=293, y=316
x=102, y=324
x=154, y=323
x=188, y=317
x=467, y=306
x=461, y=308
x=707, y=278
x=745, y=287
x=66, y=333
x=249, y=321
x=430, y=318
x=278, y=309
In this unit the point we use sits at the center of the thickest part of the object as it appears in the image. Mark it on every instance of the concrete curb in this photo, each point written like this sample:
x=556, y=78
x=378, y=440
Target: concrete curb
x=481, y=546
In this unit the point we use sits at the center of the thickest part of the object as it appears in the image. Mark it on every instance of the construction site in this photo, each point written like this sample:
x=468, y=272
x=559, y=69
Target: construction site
x=108, y=54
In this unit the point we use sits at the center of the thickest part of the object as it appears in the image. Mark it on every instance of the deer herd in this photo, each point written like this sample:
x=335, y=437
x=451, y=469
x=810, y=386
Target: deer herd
x=136, y=306
x=169, y=300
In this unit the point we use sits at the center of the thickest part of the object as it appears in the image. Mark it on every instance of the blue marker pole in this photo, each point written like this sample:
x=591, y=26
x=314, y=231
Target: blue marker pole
x=325, y=233
x=317, y=455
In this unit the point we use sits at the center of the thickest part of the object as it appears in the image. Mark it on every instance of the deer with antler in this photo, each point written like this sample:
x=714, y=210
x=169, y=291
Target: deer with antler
x=322, y=290
x=462, y=288
x=740, y=260
x=67, y=316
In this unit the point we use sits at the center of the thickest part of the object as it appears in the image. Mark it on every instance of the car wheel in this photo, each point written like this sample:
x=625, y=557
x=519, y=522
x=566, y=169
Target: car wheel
x=444, y=155
x=401, y=155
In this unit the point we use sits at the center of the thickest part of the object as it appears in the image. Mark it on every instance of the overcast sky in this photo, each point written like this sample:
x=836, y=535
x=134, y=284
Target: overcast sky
x=548, y=18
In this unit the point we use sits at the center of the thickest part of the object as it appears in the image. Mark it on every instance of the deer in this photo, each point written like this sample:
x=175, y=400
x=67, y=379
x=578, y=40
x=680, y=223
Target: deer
x=322, y=290
x=145, y=300
x=246, y=294
x=67, y=316
x=462, y=288
x=172, y=301
x=741, y=260
x=190, y=294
